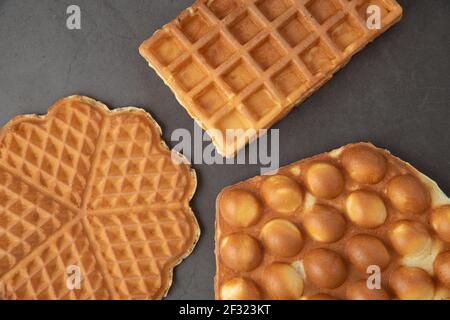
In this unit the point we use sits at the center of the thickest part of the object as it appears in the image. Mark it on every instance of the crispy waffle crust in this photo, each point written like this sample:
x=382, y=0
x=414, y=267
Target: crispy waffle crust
x=244, y=64
x=319, y=228
x=91, y=192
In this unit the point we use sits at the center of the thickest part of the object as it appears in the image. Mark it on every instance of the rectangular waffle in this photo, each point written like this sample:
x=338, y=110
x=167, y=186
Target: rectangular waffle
x=244, y=64
x=320, y=227
x=97, y=190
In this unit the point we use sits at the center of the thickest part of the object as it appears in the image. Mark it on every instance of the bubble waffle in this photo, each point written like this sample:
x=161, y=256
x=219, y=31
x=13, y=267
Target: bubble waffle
x=243, y=64
x=96, y=190
x=315, y=228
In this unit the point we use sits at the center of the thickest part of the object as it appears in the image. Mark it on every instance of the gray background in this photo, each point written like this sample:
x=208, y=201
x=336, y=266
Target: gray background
x=395, y=93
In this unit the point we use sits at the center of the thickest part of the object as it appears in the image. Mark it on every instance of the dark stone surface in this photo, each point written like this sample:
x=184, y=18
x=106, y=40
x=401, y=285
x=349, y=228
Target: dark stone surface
x=395, y=93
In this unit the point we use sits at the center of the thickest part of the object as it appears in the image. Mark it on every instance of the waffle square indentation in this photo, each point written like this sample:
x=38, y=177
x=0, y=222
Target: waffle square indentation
x=318, y=58
x=294, y=30
x=267, y=53
x=210, y=99
x=194, y=25
x=217, y=51
x=321, y=10
x=272, y=9
x=288, y=79
x=239, y=76
x=167, y=49
x=245, y=28
x=345, y=33
x=260, y=103
x=189, y=74
x=222, y=8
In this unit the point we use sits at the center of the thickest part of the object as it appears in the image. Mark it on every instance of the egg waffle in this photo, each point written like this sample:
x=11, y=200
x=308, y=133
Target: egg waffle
x=354, y=223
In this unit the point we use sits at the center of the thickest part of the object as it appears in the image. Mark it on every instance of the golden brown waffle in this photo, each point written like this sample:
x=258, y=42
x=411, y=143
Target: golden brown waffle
x=98, y=190
x=312, y=230
x=243, y=64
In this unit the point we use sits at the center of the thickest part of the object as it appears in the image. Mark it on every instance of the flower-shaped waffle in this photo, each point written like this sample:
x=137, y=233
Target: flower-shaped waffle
x=355, y=223
x=92, y=205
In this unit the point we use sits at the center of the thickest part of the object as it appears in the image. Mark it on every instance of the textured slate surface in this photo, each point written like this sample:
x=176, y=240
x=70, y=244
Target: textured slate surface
x=396, y=93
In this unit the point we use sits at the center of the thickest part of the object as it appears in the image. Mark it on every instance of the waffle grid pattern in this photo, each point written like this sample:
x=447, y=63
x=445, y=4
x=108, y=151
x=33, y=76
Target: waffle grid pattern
x=123, y=253
x=56, y=153
x=44, y=277
x=243, y=64
x=135, y=241
x=134, y=173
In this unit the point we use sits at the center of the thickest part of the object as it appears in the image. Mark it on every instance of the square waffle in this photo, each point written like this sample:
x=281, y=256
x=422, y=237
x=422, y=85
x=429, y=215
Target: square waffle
x=93, y=189
x=244, y=64
x=320, y=228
